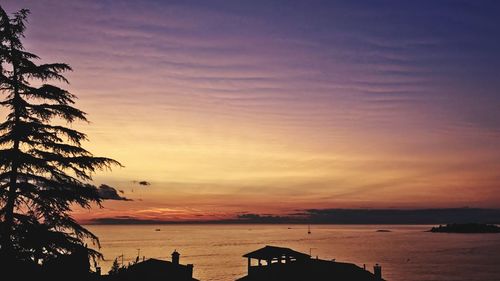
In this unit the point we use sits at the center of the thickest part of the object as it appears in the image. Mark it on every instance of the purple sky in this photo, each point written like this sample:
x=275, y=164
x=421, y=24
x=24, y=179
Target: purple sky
x=233, y=106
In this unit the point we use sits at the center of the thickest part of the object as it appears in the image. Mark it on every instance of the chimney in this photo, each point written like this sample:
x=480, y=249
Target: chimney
x=377, y=271
x=190, y=270
x=175, y=257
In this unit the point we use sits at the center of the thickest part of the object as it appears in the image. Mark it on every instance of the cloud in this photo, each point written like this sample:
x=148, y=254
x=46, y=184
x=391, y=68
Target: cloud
x=401, y=216
x=255, y=96
x=143, y=183
x=333, y=216
x=124, y=220
x=107, y=192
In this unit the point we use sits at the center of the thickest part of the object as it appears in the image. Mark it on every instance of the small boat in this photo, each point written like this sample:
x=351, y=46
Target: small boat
x=309, y=229
x=157, y=229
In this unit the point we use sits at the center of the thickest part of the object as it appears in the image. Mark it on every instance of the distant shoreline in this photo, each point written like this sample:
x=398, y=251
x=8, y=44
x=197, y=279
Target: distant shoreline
x=334, y=216
x=252, y=223
x=466, y=228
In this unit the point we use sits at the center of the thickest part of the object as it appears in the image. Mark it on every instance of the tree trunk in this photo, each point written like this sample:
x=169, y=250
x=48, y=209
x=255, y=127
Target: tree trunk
x=9, y=207
x=12, y=194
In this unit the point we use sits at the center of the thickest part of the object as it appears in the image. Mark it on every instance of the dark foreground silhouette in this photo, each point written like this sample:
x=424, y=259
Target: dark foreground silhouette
x=466, y=228
x=284, y=264
x=75, y=267
x=154, y=269
x=271, y=263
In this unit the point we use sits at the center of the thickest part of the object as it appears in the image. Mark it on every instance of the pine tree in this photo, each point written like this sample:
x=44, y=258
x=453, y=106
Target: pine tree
x=44, y=170
x=115, y=268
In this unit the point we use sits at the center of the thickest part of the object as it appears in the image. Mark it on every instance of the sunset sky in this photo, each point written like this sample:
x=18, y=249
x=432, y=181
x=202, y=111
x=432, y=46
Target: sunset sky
x=268, y=107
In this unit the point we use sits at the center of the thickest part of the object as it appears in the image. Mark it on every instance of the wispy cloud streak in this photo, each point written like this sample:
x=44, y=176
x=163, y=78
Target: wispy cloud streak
x=337, y=103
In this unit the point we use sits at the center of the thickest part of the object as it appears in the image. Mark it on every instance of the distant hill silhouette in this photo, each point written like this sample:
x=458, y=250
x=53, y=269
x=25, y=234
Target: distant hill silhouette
x=466, y=228
x=343, y=216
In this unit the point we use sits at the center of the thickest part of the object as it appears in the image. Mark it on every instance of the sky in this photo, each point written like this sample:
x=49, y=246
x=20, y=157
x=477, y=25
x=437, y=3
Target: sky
x=268, y=107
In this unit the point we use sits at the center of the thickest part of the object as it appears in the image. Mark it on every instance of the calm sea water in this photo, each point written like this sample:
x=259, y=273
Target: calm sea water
x=406, y=253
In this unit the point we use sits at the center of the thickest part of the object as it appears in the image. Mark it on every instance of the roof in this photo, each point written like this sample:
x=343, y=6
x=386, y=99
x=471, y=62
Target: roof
x=152, y=263
x=154, y=269
x=270, y=252
x=311, y=269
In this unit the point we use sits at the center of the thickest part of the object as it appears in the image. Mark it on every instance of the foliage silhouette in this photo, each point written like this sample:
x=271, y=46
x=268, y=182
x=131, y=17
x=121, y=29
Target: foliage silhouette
x=115, y=268
x=44, y=169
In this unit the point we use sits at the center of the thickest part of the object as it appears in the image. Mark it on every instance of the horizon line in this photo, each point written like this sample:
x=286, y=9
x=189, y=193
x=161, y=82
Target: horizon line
x=330, y=216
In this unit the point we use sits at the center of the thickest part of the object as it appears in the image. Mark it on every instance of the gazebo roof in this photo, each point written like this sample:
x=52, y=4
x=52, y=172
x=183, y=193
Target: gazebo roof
x=271, y=252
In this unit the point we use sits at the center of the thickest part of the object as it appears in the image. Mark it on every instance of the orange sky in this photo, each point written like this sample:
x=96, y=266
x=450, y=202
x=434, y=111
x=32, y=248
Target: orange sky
x=265, y=109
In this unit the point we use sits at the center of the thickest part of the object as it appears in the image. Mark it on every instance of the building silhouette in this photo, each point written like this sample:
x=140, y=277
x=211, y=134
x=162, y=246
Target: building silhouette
x=155, y=269
x=284, y=264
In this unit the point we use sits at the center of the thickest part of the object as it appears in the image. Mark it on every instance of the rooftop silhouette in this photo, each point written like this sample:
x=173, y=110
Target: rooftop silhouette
x=155, y=269
x=285, y=264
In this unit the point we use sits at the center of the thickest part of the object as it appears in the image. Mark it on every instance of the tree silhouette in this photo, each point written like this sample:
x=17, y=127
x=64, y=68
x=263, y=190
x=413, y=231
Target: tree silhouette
x=43, y=168
x=115, y=268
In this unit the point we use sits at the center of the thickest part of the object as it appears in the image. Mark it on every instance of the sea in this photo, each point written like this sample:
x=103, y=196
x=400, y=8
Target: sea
x=405, y=252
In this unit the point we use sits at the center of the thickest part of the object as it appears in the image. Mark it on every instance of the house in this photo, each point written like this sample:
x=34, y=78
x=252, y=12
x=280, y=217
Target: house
x=284, y=264
x=154, y=269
